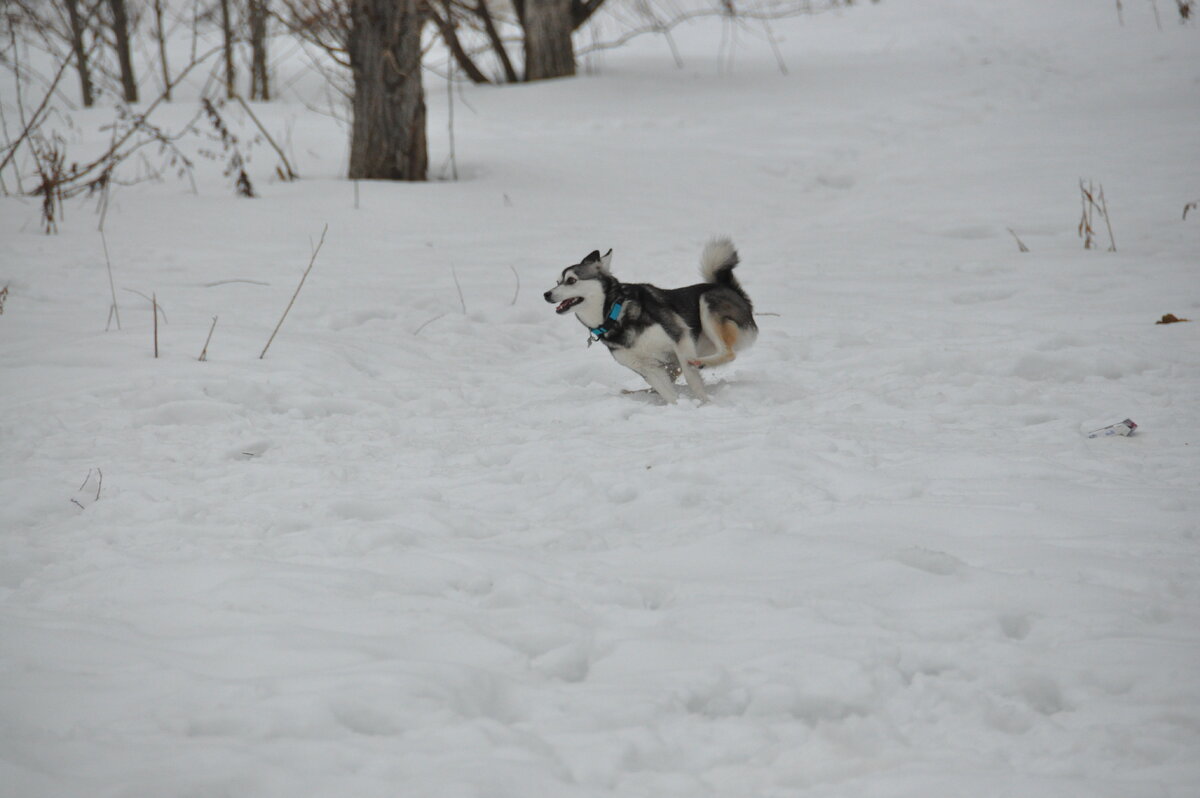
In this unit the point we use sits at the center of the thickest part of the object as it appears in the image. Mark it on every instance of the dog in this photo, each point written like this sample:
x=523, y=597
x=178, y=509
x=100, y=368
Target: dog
x=661, y=332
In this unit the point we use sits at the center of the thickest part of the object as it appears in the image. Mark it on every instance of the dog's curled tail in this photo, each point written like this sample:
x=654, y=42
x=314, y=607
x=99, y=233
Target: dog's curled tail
x=717, y=262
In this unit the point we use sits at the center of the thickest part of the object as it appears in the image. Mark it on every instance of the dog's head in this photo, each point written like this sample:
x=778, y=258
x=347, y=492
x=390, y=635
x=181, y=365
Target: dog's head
x=582, y=283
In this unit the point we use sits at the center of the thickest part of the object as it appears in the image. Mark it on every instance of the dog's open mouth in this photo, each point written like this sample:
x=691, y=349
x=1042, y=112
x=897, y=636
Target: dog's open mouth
x=567, y=304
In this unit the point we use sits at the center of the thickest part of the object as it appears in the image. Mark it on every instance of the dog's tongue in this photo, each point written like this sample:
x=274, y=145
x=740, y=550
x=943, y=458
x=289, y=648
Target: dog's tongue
x=564, y=305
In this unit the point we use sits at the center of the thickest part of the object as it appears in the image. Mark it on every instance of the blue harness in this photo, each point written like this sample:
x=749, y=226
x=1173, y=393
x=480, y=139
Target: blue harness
x=602, y=330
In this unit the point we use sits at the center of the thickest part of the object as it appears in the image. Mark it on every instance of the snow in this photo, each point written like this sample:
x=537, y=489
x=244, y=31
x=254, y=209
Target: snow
x=417, y=551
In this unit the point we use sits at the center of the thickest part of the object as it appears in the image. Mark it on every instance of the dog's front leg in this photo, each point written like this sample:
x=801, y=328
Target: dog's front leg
x=692, y=376
x=652, y=372
x=656, y=375
x=685, y=355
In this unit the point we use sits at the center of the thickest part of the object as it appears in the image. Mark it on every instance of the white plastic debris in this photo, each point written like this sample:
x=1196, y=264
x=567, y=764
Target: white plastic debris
x=1125, y=427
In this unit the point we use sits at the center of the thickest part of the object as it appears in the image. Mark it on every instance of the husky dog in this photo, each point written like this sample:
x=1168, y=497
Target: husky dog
x=660, y=332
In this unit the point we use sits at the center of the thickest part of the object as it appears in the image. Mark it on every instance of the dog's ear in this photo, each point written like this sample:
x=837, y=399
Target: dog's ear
x=605, y=262
x=592, y=258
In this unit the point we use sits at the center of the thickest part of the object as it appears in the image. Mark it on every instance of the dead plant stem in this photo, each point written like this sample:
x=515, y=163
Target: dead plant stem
x=292, y=301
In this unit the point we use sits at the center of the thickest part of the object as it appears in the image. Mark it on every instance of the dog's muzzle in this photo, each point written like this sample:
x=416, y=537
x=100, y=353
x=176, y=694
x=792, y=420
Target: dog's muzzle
x=565, y=305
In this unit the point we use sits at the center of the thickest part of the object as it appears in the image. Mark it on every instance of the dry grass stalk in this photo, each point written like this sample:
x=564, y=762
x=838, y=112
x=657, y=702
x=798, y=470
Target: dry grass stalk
x=1092, y=199
x=461, y=301
x=1020, y=243
x=286, y=173
x=113, y=310
x=1085, y=219
x=292, y=301
x=204, y=351
x=1112, y=242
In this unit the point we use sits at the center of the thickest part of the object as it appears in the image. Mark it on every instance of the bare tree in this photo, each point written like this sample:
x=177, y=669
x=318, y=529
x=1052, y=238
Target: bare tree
x=76, y=20
x=387, y=139
x=227, y=37
x=257, y=13
x=160, y=35
x=120, y=26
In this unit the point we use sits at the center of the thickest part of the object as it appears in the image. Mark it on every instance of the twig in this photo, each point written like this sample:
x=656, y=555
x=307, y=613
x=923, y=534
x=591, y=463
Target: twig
x=518, y=291
x=291, y=173
x=204, y=352
x=783, y=70
x=150, y=300
x=426, y=324
x=1189, y=207
x=718, y=10
x=462, y=301
x=3, y=297
x=1020, y=243
x=86, y=479
x=34, y=120
x=114, y=310
x=296, y=293
x=77, y=504
x=227, y=282
x=99, y=483
x=112, y=156
x=154, y=299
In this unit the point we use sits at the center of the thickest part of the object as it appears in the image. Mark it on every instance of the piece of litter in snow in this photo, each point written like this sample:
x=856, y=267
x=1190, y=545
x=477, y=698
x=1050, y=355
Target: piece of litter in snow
x=1125, y=428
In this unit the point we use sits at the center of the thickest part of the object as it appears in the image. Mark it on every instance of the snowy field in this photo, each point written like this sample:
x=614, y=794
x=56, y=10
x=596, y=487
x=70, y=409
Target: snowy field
x=421, y=552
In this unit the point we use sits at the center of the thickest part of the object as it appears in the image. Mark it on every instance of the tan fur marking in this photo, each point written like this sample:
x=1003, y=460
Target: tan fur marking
x=729, y=336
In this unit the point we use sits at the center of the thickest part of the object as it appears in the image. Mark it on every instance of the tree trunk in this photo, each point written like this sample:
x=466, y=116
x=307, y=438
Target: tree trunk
x=227, y=35
x=160, y=34
x=120, y=25
x=81, y=59
x=549, y=52
x=387, y=139
x=258, y=12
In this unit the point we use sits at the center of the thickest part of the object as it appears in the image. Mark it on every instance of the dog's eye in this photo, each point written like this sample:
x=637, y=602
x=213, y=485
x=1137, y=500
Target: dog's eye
x=570, y=281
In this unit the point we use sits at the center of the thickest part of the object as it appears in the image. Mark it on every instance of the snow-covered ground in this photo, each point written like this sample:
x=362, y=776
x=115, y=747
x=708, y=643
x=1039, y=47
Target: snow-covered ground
x=417, y=552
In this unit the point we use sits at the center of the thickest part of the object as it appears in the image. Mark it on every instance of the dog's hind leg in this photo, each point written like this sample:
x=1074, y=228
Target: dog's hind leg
x=723, y=334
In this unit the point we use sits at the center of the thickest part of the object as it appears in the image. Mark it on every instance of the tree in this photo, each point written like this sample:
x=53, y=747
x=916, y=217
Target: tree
x=549, y=52
x=548, y=25
x=160, y=36
x=257, y=13
x=78, y=26
x=387, y=137
x=120, y=26
x=227, y=39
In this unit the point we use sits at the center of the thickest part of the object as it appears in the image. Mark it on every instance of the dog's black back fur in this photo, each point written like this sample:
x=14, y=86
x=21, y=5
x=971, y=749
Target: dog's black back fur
x=645, y=305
